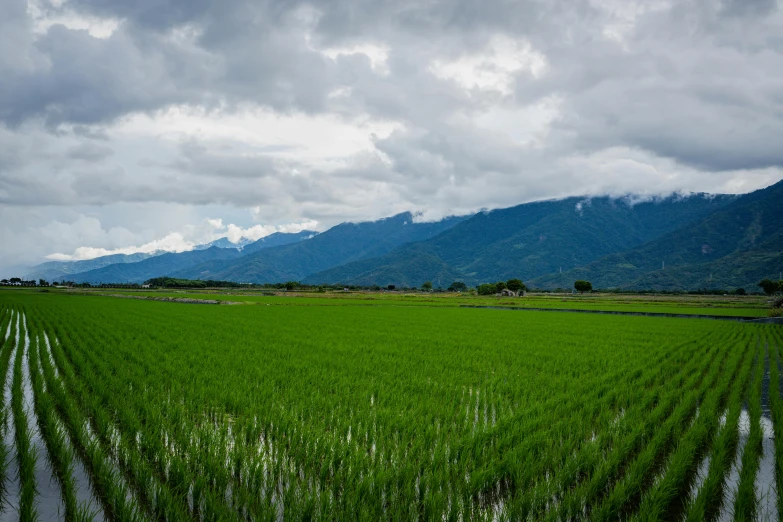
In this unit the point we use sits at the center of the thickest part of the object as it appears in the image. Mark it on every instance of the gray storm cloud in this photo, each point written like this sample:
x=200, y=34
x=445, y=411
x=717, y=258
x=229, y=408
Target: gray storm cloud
x=290, y=112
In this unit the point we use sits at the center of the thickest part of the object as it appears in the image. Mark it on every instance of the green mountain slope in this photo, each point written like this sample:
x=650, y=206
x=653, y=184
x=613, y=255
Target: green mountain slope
x=528, y=240
x=278, y=239
x=162, y=265
x=404, y=267
x=738, y=244
x=63, y=270
x=341, y=244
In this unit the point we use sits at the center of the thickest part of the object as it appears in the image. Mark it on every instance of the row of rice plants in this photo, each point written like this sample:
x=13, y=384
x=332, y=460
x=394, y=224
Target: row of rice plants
x=658, y=443
x=666, y=496
x=744, y=507
x=7, y=345
x=27, y=479
x=123, y=438
x=115, y=496
x=637, y=448
x=577, y=464
x=554, y=443
x=706, y=503
x=121, y=445
x=78, y=502
x=392, y=414
x=170, y=468
x=776, y=410
x=26, y=452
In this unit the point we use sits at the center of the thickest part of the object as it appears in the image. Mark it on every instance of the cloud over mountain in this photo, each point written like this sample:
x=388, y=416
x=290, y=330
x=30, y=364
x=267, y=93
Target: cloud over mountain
x=141, y=119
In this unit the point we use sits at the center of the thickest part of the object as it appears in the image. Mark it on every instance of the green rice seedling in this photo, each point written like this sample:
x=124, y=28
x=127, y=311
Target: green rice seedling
x=629, y=490
x=165, y=506
x=681, y=467
x=630, y=443
x=384, y=412
x=26, y=454
x=707, y=504
x=745, y=500
x=7, y=344
x=109, y=486
x=647, y=401
x=776, y=407
x=628, y=435
x=59, y=451
x=155, y=497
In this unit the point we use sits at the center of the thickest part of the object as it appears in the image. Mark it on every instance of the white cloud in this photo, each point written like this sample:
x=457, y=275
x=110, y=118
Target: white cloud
x=192, y=236
x=315, y=140
x=495, y=67
x=173, y=242
x=377, y=54
x=123, y=124
x=45, y=14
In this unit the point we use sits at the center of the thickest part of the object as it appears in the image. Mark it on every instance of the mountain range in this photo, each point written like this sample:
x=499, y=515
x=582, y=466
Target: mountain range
x=667, y=243
x=61, y=270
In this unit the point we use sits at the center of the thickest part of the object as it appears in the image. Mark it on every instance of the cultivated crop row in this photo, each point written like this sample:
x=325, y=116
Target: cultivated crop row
x=157, y=411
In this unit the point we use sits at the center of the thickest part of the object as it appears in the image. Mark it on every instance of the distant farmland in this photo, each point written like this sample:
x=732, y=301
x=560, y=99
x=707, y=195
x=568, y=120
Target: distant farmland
x=127, y=409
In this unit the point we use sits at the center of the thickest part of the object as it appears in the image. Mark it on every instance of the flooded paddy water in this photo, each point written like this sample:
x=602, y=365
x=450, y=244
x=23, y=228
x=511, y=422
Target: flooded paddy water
x=49, y=499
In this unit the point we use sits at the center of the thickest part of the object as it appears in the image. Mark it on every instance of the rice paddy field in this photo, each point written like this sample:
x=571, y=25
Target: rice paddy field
x=128, y=409
x=734, y=306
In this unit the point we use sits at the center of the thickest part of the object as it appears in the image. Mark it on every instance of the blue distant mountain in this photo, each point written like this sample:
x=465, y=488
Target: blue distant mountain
x=221, y=250
x=224, y=242
x=720, y=241
x=63, y=270
x=250, y=245
x=735, y=246
x=163, y=264
x=341, y=244
x=527, y=241
x=277, y=257
x=66, y=270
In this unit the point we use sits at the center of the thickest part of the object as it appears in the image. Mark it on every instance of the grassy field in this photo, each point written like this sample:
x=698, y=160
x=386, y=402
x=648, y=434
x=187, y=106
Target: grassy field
x=738, y=306
x=388, y=412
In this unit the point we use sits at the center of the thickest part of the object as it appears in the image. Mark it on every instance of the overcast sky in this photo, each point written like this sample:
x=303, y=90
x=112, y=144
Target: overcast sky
x=164, y=123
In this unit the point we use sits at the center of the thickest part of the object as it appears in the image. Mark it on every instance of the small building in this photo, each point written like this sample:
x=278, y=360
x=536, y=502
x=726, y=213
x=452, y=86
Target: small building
x=510, y=293
x=145, y=286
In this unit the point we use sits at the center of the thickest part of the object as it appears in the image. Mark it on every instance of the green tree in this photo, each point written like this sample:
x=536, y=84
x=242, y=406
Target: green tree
x=458, y=286
x=769, y=286
x=290, y=285
x=516, y=285
x=500, y=286
x=390, y=287
x=427, y=286
x=487, y=289
x=582, y=286
x=42, y=282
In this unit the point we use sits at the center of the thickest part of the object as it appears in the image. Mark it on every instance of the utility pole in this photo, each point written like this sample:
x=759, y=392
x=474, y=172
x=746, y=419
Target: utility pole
x=663, y=265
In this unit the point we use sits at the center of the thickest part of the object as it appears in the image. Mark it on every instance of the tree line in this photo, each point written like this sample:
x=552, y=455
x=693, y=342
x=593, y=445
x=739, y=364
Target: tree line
x=771, y=287
x=768, y=286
